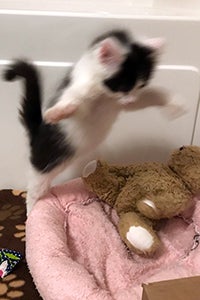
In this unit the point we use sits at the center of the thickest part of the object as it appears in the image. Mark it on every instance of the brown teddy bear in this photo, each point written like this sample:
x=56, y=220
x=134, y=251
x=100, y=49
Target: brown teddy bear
x=143, y=193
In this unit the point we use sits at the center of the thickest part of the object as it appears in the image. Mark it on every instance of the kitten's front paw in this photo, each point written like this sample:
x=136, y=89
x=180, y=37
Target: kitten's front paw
x=175, y=108
x=52, y=116
x=59, y=112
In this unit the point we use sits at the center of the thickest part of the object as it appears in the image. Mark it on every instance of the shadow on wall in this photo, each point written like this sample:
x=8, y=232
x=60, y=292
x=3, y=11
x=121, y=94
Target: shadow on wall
x=139, y=153
x=122, y=155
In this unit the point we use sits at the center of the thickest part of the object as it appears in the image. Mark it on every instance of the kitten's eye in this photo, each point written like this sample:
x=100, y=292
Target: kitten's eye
x=122, y=87
x=142, y=85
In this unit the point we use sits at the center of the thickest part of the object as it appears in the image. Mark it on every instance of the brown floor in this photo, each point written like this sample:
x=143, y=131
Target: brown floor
x=19, y=283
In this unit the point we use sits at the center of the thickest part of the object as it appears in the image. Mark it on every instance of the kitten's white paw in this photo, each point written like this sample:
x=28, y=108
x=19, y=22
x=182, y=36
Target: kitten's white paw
x=51, y=116
x=59, y=112
x=175, y=108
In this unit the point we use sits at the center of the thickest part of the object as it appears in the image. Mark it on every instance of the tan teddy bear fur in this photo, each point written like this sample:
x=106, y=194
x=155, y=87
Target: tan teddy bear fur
x=143, y=193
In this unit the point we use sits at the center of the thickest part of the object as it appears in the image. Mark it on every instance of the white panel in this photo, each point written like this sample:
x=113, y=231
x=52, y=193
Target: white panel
x=60, y=38
x=148, y=134
x=14, y=147
x=13, y=156
x=137, y=135
x=133, y=7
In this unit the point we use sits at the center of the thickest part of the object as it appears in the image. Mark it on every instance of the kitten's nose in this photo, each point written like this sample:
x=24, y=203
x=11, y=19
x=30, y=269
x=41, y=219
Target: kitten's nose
x=89, y=168
x=127, y=99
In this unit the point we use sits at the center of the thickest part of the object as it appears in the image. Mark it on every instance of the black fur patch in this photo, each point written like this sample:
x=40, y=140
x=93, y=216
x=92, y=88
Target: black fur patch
x=48, y=145
x=30, y=112
x=49, y=148
x=139, y=65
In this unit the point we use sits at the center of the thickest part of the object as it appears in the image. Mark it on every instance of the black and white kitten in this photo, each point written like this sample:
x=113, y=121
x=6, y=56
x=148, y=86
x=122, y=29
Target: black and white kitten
x=98, y=87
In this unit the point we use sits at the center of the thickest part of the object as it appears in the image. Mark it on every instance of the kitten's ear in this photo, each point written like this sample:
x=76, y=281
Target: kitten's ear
x=110, y=52
x=156, y=44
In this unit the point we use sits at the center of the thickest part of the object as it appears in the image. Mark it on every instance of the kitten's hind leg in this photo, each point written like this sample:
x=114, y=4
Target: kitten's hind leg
x=39, y=184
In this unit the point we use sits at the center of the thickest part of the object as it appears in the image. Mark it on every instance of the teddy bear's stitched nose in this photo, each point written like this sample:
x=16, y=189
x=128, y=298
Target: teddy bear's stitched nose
x=89, y=168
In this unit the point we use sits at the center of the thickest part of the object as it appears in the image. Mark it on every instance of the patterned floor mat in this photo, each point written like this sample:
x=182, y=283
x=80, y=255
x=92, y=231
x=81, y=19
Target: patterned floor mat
x=18, y=284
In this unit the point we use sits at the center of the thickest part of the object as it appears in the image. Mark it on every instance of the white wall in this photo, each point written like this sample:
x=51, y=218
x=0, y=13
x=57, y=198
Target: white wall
x=141, y=135
x=133, y=7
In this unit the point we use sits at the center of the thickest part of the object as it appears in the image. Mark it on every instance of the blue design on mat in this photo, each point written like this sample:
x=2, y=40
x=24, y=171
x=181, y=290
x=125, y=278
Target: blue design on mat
x=8, y=260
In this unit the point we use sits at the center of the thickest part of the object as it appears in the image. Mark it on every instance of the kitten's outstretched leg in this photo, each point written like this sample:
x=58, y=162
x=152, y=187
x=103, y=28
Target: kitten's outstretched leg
x=59, y=111
x=39, y=184
x=37, y=187
x=173, y=106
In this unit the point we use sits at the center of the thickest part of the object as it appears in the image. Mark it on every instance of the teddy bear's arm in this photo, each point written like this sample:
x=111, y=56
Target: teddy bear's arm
x=128, y=197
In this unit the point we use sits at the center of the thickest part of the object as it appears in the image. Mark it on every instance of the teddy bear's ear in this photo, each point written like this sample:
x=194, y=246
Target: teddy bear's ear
x=99, y=163
x=90, y=168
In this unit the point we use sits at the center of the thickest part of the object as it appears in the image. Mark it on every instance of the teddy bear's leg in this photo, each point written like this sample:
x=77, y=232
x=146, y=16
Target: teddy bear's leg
x=137, y=234
x=148, y=208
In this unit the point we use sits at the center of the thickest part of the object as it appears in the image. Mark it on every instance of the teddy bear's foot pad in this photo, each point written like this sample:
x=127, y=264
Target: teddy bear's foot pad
x=140, y=238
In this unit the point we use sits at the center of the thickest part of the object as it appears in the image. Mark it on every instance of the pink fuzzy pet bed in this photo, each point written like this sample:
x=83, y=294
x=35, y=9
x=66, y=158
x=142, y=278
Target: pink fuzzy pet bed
x=74, y=251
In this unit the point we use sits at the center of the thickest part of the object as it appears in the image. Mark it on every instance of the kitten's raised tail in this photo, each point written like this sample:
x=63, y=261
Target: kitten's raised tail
x=30, y=112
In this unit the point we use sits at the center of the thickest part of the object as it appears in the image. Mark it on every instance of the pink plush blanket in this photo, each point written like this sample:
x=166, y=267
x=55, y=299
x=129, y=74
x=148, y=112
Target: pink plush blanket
x=74, y=251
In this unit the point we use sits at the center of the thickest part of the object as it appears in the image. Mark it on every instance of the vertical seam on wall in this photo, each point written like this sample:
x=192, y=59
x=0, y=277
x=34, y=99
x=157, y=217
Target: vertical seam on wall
x=196, y=117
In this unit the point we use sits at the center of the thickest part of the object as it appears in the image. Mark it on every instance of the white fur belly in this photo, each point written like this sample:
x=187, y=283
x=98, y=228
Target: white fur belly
x=88, y=131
